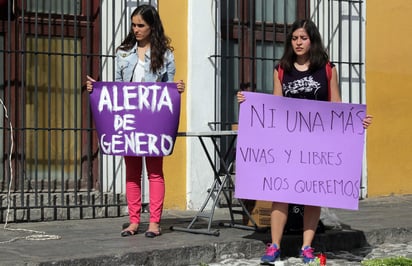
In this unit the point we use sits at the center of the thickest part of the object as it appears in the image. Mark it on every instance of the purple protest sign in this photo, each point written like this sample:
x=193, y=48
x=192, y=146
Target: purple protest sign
x=136, y=118
x=299, y=151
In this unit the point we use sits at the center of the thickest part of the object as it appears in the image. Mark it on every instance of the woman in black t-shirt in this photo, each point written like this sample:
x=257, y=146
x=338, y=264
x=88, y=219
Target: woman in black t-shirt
x=303, y=72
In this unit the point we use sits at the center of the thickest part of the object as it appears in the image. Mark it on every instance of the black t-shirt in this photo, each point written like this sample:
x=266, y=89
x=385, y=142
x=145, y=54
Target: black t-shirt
x=312, y=85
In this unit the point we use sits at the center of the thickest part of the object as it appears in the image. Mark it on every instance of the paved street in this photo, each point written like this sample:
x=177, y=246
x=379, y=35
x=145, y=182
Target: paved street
x=380, y=228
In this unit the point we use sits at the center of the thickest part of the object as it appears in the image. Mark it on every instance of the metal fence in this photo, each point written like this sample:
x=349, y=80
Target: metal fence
x=52, y=168
x=252, y=40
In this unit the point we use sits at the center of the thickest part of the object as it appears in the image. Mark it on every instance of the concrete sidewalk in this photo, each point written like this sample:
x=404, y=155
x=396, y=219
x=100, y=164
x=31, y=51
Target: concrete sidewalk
x=98, y=241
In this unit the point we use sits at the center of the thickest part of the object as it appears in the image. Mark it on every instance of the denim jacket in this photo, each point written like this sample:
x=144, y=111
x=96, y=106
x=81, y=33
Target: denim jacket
x=126, y=62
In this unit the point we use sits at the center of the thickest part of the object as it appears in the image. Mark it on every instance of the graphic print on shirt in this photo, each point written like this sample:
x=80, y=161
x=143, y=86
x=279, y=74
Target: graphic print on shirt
x=305, y=87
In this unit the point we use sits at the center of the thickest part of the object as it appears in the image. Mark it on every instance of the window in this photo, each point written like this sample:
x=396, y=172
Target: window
x=253, y=33
x=67, y=7
x=53, y=105
x=46, y=47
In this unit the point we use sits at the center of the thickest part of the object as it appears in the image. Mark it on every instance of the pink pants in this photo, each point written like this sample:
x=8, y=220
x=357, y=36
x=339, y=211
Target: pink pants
x=154, y=167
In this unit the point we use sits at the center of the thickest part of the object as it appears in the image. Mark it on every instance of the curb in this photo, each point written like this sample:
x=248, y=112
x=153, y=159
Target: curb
x=249, y=247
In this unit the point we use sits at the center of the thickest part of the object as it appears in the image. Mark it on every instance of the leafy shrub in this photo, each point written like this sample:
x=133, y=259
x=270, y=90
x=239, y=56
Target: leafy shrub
x=400, y=261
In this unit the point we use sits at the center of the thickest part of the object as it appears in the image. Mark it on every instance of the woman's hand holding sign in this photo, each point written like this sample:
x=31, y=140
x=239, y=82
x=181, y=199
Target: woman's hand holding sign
x=240, y=97
x=367, y=121
x=180, y=86
x=89, y=83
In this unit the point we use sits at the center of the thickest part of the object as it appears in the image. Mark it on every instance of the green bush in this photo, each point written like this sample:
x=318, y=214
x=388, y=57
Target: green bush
x=400, y=261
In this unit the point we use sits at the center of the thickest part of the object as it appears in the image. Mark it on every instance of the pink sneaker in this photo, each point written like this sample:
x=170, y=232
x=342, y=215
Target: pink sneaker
x=271, y=255
x=307, y=254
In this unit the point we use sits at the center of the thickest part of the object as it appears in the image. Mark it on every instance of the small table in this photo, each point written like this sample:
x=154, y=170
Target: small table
x=222, y=182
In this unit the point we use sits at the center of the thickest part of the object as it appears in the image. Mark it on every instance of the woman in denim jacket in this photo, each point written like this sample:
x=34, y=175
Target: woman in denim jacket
x=144, y=56
x=127, y=61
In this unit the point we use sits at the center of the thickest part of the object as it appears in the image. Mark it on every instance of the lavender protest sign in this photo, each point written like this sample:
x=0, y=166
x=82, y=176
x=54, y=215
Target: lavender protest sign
x=136, y=118
x=299, y=151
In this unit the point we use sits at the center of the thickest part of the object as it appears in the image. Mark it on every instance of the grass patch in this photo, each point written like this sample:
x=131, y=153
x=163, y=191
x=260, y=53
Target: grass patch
x=399, y=261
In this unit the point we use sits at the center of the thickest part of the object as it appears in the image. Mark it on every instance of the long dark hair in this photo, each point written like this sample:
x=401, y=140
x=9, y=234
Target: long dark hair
x=159, y=42
x=318, y=57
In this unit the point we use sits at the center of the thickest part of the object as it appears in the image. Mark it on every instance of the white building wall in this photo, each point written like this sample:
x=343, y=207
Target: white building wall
x=200, y=96
x=113, y=31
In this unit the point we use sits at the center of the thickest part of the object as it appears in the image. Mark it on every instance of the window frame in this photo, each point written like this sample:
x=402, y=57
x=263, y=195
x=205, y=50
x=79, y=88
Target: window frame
x=18, y=24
